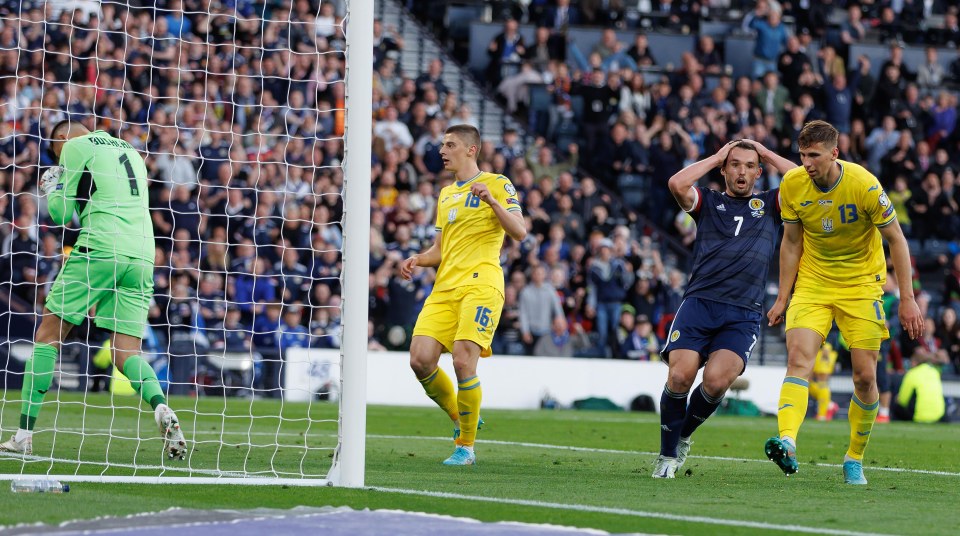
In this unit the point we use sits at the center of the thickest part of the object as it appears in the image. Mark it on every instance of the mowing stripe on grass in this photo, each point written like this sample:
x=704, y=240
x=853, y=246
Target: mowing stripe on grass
x=35, y=458
x=639, y=453
x=543, y=446
x=627, y=512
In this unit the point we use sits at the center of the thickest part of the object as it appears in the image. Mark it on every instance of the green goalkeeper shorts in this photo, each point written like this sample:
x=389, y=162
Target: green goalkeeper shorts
x=118, y=288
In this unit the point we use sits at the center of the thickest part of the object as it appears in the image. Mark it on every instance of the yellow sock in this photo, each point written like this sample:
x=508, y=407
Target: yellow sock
x=469, y=395
x=793, y=405
x=439, y=388
x=822, y=396
x=861, y=417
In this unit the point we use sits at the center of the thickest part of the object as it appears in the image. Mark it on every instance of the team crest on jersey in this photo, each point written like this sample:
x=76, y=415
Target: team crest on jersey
x=452, y=215
x=675, y=335
x=884, y=200
x=827, y=224
x=510, y=189
x=756, y=204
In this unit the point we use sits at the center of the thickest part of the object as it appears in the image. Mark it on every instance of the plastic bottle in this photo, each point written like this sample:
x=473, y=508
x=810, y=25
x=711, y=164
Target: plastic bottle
x=44, y=485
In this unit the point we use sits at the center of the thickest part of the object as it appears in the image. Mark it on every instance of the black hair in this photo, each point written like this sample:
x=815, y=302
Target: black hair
x=58, y=126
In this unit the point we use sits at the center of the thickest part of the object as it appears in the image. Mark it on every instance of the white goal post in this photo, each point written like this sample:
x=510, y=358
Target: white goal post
x=275, y=435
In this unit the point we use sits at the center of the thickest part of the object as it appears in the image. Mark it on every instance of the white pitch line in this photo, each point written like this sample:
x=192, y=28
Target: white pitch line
x=628, y=512
x=640, y=453
x=559, y=447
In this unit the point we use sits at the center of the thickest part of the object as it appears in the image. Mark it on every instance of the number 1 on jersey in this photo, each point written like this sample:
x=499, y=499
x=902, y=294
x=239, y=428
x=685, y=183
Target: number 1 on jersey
x=739, y=220
x=125, y=160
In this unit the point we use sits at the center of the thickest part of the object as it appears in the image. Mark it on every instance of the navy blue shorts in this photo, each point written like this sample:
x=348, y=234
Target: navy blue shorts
x=706, y=326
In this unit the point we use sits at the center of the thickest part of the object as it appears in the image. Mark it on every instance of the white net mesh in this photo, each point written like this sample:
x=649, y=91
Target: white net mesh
x=238, y=108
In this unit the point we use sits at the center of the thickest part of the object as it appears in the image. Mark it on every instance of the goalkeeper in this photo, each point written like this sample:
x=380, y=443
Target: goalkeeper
x=104, y=180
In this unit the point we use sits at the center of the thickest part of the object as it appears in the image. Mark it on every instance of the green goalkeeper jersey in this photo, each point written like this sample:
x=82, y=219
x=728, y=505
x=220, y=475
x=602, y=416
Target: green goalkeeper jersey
x=105, y=182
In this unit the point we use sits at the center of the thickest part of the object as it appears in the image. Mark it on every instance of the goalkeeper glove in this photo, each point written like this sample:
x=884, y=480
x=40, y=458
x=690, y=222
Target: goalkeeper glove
x=50, y=179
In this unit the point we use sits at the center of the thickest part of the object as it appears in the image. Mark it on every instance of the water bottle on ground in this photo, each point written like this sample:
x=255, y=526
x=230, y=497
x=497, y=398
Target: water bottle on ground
x=40, y=485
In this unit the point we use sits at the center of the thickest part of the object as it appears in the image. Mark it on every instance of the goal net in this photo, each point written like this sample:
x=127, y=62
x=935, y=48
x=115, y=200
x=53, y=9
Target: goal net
x=255, y=132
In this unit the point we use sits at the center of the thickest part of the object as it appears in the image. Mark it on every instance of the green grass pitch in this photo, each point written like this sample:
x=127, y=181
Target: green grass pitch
x=583, y=469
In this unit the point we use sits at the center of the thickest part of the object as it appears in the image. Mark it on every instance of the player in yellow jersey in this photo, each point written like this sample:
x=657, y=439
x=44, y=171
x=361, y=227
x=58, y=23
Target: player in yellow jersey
x=461, y=314
x=834, y=215
x=823, y=366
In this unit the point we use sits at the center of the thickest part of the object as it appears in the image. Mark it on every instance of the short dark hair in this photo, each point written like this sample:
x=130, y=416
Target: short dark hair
x=58, y=126
x=468, y=133
x=742, y=145
x=818, y=131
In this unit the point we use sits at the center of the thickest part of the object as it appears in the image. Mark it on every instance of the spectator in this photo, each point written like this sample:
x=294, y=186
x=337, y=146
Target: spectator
x=540, y=159
x=373, y=343
x=514, y=89
x=561, y=17
x=881, y=140
x=252, y=291
x=840, y=98
x=547, y=49
x=605, y=13
x=600, y=102
x=230, y=334
x=293, y=334
x=889, y=92
x=771, y=37
x=539, y=305
x=949, y=35
x=618, y=155
x=561, y=341
x=900, y=160
x=507, y=338
x=426, y=152
x=505, y=52
x=944, y=119
x=639, y=52
x=853, y=30
x=392, y=133
x=948, y=332
x=774, y=99
x=930, y=73
x=609, y=279
x=900, y=198
x=641, y=343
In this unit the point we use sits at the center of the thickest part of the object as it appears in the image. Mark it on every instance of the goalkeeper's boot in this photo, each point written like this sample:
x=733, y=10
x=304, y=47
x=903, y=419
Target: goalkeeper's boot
x=683, y=448
x=665, y=467
x=853, y=472
x=174, y=444
x=783, y=454
x=456, y=431
x=461, y=456
x=24, y=446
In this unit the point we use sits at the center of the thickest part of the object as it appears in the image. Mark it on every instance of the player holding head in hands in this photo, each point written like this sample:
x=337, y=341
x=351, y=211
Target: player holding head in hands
x=461, y=314
x=718, y=321
x=834, y=215
x=104, y=180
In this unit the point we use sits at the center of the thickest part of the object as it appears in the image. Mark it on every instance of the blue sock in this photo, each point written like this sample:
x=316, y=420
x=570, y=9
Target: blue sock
x=673, y=410
x=701, y=407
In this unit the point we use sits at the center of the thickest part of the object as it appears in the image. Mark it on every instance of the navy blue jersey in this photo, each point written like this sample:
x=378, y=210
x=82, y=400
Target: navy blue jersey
x=736, y=238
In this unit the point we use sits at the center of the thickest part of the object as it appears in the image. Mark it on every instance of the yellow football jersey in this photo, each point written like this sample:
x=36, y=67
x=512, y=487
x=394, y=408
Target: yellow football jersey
x=842, y=246
x=472, y=234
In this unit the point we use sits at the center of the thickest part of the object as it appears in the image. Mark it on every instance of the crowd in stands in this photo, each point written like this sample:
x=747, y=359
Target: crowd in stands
x=639, y=121
x=240, y=121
